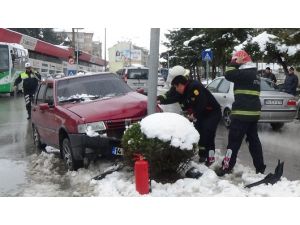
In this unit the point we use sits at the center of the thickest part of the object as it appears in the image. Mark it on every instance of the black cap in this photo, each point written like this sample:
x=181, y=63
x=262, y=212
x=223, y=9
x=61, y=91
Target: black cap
x=268, y=68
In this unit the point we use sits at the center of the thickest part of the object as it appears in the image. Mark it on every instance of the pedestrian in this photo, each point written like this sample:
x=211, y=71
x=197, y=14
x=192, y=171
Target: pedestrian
x=30, y=82
x=245, y=113
x=291, y=82
x=269, y=75
x=203, y=110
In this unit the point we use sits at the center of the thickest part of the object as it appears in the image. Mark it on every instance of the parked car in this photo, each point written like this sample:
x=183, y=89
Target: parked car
x=277, y=107
x=85, y=115
x=136, y=77
x=160, y=80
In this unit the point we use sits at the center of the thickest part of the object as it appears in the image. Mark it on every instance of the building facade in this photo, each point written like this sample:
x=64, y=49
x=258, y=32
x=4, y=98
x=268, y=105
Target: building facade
x=126, y=54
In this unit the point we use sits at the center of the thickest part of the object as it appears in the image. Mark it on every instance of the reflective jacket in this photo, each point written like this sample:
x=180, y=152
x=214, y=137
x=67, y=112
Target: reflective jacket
x=30, y=81
x=247, y=106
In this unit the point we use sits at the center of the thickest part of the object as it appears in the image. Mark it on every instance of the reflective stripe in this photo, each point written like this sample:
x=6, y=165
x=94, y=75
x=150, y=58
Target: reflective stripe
x=229, y=69
x=245, y=113
x=24, y=75
x=247, y=92
x=164, y=96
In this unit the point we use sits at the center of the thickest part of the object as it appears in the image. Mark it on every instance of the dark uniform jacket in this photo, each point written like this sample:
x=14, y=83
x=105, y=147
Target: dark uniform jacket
x=30, y=81
x=247, y=106
x=291, y=84
x=201, y=101
x=270, y=76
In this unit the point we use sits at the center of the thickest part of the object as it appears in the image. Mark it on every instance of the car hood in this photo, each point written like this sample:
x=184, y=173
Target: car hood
x=127, y=106
x=276, y=94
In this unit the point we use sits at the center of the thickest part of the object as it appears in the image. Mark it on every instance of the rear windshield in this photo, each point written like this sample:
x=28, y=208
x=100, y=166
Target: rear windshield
x=100, y=86
x=268, y=85
x=141, y=74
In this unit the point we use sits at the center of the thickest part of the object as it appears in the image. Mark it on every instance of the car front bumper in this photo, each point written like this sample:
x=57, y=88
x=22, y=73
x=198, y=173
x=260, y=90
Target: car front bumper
x=83, y=144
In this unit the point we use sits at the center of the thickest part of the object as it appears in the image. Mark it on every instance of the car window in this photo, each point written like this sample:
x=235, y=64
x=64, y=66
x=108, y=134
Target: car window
x=213, y=86
x=138, y=74
x=268, y=85
x=40, y=95
x=224, y=86
x=49, y=95
x=102, y=85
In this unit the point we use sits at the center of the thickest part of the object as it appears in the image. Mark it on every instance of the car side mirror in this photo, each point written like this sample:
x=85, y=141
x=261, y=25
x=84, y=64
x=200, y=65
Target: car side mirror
x=44, y=106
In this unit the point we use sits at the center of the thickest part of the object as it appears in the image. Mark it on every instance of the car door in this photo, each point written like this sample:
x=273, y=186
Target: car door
x=225, y=94
x=37, y=117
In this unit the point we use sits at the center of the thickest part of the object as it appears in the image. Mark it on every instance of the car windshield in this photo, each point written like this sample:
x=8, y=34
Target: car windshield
x=87, y=88
x=268, y=85
x=4, y=62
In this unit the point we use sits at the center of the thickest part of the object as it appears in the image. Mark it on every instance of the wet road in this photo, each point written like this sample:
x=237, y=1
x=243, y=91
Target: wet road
x=17, y=152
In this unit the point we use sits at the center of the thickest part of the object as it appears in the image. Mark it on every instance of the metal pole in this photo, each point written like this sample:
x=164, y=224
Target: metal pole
x=77, y=52
x=130, y=53
x=153, y=67
x=105, y=50
x=207, y=71
x=168, y=61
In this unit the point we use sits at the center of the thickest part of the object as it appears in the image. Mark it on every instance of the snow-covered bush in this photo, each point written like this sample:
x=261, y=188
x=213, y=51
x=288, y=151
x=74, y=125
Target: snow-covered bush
x=165, y=139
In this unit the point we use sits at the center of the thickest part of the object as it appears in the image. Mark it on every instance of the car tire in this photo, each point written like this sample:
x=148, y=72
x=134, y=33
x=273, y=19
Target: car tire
x=226, y=117
x=277, y=126
x=37, y=139
x=67, y=153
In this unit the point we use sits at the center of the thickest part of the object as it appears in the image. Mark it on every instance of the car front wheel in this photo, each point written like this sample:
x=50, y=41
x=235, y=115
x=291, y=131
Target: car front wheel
x=67, y=153
x=277, y=126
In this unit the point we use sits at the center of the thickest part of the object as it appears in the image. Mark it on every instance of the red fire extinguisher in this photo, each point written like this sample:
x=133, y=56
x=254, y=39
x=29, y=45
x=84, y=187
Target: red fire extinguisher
x=141, y=172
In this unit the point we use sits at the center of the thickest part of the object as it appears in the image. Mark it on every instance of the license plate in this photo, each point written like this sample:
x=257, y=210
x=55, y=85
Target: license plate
x=273, y=101
x=139, y=84
x=117, y=151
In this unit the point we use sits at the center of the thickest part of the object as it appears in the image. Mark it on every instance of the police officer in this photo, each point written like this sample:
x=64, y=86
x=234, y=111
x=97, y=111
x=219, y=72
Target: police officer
x=245, y=113
x=30, y=82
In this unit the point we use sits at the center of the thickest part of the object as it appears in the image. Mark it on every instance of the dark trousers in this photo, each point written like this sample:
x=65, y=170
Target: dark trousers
x=28, y=99
x=237, y=130
x=207, y=127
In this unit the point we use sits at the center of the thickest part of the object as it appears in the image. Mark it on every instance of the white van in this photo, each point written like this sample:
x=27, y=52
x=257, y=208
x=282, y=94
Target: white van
x=136, y=78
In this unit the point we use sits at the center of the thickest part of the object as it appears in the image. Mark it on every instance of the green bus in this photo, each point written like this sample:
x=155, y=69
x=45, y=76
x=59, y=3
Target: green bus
x=12, y=62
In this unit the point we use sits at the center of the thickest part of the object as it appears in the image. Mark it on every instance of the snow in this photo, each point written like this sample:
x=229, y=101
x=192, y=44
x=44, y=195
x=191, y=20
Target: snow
x=186, y=43
x=264, y=38
x=48, y=180
x=171, y=127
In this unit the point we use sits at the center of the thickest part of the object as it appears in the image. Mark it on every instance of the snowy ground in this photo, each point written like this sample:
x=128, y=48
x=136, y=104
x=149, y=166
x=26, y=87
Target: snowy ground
x=48, y=180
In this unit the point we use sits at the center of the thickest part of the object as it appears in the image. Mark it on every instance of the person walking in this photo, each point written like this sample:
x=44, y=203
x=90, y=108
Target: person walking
x=30, y=82
x=245, y=113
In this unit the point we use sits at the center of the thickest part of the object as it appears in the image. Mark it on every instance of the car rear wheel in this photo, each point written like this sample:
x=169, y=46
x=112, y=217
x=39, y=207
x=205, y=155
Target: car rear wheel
x=67, y=153
x=226, y=117
x=36, y=139
x=277, y=126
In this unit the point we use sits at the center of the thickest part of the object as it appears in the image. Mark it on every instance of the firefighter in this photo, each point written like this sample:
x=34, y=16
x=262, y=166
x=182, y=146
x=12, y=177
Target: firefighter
x=203, y=109
x=30, y=82
x=245, y=113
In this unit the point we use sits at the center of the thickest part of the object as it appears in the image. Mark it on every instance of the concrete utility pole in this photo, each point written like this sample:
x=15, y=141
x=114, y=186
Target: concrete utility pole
x=105, y=50
x=153, y=70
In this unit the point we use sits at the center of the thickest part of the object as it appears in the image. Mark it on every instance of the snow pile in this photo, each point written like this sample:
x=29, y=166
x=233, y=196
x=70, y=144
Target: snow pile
x=264, y=38
x=48, y=178
x=186, y=43
x=171, y=127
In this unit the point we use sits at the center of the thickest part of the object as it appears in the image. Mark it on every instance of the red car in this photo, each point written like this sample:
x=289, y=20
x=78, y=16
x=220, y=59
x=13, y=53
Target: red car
x=85, y=116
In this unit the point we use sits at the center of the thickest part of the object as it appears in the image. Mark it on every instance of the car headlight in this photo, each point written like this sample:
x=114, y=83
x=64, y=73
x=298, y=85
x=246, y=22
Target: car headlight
x=96, y=126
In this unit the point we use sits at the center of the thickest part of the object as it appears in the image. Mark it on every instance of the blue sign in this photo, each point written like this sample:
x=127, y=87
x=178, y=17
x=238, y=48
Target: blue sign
x=207, y=55
x=71, y=72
